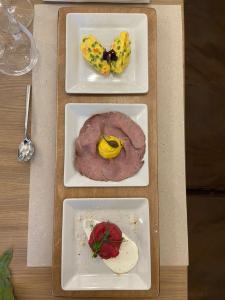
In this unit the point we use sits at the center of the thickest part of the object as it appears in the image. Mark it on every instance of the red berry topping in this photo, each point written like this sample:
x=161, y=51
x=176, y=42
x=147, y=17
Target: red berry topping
x=105, y=240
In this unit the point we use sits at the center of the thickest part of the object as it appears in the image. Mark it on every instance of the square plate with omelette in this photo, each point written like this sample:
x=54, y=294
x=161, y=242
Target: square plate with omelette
x=82, y=78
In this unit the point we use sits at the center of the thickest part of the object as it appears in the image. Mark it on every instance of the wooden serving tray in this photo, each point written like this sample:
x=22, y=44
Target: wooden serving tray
x=149, y=192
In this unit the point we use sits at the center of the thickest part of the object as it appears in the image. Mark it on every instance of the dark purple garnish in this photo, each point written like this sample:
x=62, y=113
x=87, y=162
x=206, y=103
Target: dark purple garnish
x=105, y=55
x=113, y=55
x=109, y=55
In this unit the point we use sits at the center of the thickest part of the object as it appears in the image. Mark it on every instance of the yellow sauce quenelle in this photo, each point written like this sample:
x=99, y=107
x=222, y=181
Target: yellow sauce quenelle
x=109, y=147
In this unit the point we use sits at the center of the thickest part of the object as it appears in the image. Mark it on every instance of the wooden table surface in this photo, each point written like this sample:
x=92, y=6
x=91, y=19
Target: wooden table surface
x=36, y=283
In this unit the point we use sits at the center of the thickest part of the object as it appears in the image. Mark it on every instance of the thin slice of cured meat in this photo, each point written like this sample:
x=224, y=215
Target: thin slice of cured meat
x=129, y=127
x=91, y=166
x=129, y=162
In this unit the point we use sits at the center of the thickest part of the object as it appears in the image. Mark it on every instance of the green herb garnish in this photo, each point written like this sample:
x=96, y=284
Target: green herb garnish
x=96, y=247
x=6, y=288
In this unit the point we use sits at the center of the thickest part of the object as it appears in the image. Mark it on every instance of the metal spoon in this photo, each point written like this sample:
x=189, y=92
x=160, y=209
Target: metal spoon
x=26, y=148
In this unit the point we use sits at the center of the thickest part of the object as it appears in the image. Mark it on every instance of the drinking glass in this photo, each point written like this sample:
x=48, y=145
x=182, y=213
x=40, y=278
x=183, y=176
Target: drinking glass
x=18, y=52
x=21, y=10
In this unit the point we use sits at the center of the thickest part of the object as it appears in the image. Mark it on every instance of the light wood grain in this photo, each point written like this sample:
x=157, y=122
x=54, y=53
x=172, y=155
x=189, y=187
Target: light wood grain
x=150, y=192
x=36, y=283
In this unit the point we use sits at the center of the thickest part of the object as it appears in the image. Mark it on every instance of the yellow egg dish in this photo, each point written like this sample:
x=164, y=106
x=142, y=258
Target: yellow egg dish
x=122, y=47
x=103, y=61
x=92, y=52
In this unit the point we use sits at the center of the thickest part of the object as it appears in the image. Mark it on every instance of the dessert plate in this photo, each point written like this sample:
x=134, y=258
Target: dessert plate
x=75, y=116
x=79, y=270
x=81, y=77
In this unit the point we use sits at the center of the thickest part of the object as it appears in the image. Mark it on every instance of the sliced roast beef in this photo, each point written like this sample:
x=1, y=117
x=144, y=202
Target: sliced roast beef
x=129, y=127
x=90, y=164
x=127, y=163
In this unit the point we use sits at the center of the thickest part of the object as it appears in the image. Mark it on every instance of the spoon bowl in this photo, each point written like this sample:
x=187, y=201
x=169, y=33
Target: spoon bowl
x=25, y=150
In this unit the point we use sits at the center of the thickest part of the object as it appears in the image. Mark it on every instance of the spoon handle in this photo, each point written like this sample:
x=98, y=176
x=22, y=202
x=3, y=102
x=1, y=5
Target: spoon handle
x=27, y=108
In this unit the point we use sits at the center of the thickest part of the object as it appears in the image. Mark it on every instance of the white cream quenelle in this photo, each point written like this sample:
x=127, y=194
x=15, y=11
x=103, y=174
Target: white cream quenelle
x=128, y=253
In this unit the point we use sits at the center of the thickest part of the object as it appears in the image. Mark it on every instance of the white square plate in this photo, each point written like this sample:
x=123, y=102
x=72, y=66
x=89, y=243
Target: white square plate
x=75, y=116
x=81, y=77
x=80, y=271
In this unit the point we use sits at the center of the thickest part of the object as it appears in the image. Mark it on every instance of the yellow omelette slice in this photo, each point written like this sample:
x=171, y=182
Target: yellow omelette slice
x=92, y=52
x=122, y=48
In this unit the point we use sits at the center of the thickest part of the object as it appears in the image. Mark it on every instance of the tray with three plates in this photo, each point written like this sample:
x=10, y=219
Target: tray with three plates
x=106, y=226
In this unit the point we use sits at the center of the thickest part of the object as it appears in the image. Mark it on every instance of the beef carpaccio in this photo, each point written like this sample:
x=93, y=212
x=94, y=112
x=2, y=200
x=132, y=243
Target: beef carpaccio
x=91, y=164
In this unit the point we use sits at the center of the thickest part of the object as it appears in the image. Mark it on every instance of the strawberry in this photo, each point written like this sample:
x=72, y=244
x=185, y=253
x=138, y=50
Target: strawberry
x=105, y=240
